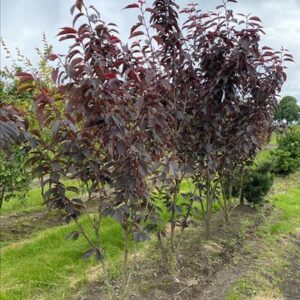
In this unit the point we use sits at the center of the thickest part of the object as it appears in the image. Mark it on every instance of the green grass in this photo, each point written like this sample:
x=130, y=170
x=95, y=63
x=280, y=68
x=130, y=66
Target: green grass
x=264, y=277
x=32, y=201
x=45, y=265
x=262, y=156
x=273, y=140
x=288, y=202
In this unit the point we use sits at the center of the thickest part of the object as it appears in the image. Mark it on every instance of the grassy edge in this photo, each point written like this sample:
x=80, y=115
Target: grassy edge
x=265, y=278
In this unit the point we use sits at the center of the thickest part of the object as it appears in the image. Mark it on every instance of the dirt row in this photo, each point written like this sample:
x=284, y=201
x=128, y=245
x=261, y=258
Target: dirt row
x=206, y=270
x=201, y=268
x=15, y=227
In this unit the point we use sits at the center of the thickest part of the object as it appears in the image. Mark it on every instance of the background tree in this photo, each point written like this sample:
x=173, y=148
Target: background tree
x=288, y=110
x=17, y=118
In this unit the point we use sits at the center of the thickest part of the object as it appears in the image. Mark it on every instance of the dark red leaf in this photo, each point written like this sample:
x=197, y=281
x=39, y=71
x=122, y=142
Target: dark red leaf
x=158, y=27
x=137, y=33
x=52, y=57
x=77, y=17
x=158, y=39
x=267, y=48
x=54, y=74
x=23, y=76
x=67, y=30
x=134, y=27
x=134, y=5
x=284, y=76
x=255, y=19
x=288, y=59
x=110, y=75
x=268, y=53
x=133, y=76
x=139, y=103
x=89, y=253
x=79, y=4
x=114, y=39
x=152, y=11
x=68, y=36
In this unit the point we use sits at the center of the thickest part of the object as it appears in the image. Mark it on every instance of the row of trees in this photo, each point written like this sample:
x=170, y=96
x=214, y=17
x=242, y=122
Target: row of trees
x=184, y=99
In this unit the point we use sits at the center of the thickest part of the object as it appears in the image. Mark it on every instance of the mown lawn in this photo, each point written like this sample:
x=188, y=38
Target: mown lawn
x=286, y=197
x=33, y=201
x=275, y=254
x=47, y=265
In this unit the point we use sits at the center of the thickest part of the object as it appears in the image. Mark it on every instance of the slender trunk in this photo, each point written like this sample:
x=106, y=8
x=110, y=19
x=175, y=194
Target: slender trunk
x=226, y=200
x=241, y=198
x=42, y=187
x=84, y=234
x=188, y=213
x=2, y=196
x=161, y=248
x=226, y=211
x=97, y=227
x=126, y=251
x=208, y=209
x=173, y=215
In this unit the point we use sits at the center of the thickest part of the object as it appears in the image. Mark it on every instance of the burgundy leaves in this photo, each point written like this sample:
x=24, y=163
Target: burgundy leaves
x=195, y=98
x=13, y=125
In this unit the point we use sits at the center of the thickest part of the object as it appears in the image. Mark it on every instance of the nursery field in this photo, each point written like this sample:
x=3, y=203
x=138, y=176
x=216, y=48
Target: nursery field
x=259, y=259
x=159, y=161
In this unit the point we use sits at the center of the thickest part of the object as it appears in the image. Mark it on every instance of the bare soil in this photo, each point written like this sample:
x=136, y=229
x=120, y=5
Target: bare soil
x=21, y=225
x=203, y=268
x=18, y=226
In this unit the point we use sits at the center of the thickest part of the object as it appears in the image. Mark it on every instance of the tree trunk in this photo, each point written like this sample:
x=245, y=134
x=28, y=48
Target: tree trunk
x=208, y=209
x=2, y=197
x=241, y=198
x=173, y=216
x=126, y=251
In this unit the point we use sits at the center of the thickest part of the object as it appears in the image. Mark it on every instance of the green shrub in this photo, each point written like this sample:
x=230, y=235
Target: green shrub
x=286, y=158
x=257, y=183
x=14, y=178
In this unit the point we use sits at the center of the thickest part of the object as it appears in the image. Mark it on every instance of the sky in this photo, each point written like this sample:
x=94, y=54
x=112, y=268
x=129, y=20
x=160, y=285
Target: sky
x=24, y=21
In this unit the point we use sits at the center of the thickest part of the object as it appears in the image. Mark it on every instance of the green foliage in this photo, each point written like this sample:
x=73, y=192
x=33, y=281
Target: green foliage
x=288, y=110
x=286, y=158
x=14, y=179
x=257, y=183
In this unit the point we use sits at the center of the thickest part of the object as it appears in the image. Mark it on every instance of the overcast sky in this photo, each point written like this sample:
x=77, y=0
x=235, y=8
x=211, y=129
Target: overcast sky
x=24, y=21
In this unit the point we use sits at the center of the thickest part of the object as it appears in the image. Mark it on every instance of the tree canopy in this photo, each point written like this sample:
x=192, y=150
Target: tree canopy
x=288, y=110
